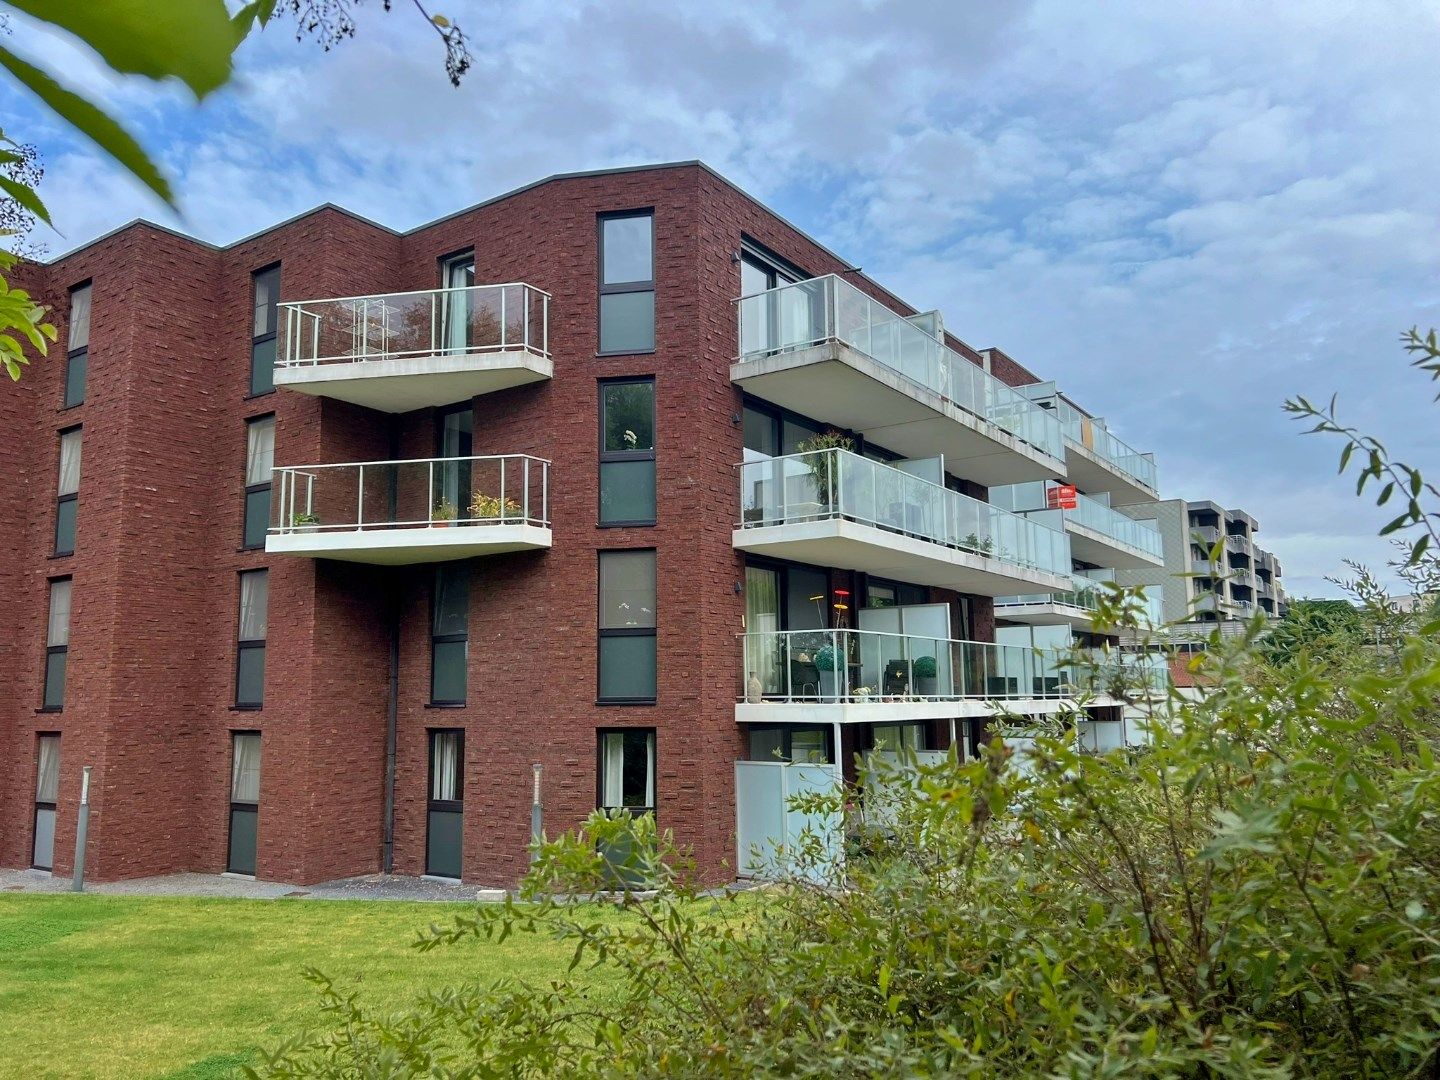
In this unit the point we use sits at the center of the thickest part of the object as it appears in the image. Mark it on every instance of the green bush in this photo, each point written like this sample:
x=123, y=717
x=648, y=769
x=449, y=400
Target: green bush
x=924, y=667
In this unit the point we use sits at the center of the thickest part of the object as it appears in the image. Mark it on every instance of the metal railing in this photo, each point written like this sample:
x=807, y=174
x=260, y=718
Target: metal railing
x=1082, y=598
x=431, y=322
x=827, y=484
x=411, y=494
x=1116, y=451
x=1237, y=541
x=1032, y=498
x=857, y=666
x=828, y=309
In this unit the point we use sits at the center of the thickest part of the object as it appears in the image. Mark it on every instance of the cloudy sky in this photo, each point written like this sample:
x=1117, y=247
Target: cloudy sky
x=1183, y=213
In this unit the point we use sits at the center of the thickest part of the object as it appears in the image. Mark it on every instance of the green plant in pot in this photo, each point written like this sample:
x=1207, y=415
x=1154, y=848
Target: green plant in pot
x=829, y=661
x=824, y=466
x=305, y=522
x=925, y=670
x=444, y=513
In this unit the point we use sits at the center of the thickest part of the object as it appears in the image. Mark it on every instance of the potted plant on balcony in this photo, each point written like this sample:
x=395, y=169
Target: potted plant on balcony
x=925, y=672
x=824, y=466
x=492, y=507
x=304, y=523
x=443, y=515
x=828, y=661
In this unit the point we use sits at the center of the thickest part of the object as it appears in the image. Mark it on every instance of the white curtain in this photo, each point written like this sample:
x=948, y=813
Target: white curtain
x=259, y=451
x=79, y=334
x=245, y=770
x=47, y=772
x=445, y=766
x=59, y=632
x=254, y=604
x=69, y=463
x=612, y=791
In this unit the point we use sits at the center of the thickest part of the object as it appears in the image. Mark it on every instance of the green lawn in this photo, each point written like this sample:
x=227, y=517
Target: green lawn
x=144, y=987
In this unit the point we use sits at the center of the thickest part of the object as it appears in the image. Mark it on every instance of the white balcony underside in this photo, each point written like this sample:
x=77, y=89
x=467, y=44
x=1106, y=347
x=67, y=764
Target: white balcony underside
x=401, y=547
x=850, y=545
x=890, y=712
x=1094, y=547
x=1091, y=472
x=842, y=386
x=1046, y=615
x=416, y=382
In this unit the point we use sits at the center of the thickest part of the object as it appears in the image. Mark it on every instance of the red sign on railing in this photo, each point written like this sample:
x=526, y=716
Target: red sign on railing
x=1060, y=497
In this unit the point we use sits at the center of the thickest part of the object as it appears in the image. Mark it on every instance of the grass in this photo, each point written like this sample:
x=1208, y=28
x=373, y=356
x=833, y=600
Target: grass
x=106, y=986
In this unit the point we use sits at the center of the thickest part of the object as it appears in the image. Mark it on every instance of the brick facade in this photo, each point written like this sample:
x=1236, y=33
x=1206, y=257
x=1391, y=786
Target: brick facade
x=153, y=629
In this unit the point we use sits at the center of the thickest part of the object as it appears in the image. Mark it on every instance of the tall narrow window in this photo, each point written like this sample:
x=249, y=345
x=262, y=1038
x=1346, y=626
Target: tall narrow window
x=77, y=345
x=250, y=651
x=455, y=441
x=259, y=461
x=264, y=327
x=627, y=282
x=67, y=492
x=450, y=634
x=445, y=807
x=244, y=801
x=627, y=626
x=627, y=770
x=457, y=309
x=627, y=452
x=47, y=795
x=57, y=644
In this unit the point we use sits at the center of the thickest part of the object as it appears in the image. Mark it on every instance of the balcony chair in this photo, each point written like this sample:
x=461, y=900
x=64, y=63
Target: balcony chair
x=804, y=678
x=897, y=678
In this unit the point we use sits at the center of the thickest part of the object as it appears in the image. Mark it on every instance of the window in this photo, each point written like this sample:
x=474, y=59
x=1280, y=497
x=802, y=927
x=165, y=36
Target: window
x=764, y=318
x=450, y=634
x=444, y=825
x=67, y=492
x=627, y=770
x=884, y=594
x=458, y=310
x=627, y=452
x=47, y=795
x=266, y=285
x=627, y=626
x=259, y=461
x=898, y=738
x=627, y=282
x=784, y=742
x=57, y=644
x=454, y=439
x=250, y=658
x=244, y=801
x=77, y=345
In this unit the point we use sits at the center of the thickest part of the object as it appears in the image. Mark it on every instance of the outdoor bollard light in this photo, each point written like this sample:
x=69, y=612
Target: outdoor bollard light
x=82, y=826
x=535, y=814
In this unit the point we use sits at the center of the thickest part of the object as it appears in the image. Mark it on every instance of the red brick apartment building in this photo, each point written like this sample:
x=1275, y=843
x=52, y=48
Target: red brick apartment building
x=312, y=584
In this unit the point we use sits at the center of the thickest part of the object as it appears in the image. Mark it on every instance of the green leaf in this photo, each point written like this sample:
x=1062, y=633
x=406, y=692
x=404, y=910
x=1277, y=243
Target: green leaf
x=26, y=197
x=245, y=19
x=90, y=121
x=1345, y=455
x=191, y=40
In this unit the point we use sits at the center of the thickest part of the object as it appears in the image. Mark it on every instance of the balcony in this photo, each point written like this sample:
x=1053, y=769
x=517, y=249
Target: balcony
x=1075, y=609
x=825, y=349
x=865, y=676
x=406, y=351
x=1098, y=535
x=392, y=513
x=835, y=508
x=1097, y=460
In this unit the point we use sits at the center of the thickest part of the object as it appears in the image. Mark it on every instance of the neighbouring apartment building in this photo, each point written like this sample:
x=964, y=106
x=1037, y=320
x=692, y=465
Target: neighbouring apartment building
x=1214, y=571
x=321, y=542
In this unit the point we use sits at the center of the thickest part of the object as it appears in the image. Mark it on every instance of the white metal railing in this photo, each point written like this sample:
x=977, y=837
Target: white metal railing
x=857, y=666
x=829, y=309
x=407, y=494
x=430, y=322
x=1032, y=498
x=839, y=484
x=1100, y=441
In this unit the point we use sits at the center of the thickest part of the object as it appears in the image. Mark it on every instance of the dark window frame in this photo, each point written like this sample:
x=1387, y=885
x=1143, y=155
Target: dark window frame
x=783, y=567
x=438, y=639
x=612, y=456
x=778, y=415
x=56, y=650
x=53, y=807
x=81, y=353
x=243, y=645
x=272, y=335
x=252, y=489
x=73, y=497
x=452, y=806
x=600, y=733
x=614, y=288
x=232, y=803
x=787, y=747
x=652, y=632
